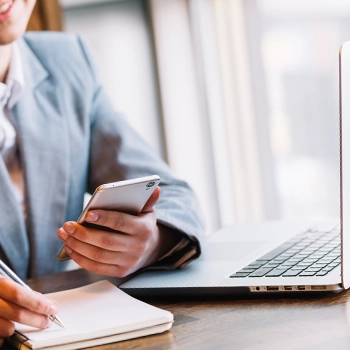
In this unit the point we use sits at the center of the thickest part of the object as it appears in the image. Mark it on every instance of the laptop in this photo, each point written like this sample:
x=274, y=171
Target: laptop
x=270, y=257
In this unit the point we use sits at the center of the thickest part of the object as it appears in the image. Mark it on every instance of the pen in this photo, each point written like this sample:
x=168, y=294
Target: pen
x=7, y=272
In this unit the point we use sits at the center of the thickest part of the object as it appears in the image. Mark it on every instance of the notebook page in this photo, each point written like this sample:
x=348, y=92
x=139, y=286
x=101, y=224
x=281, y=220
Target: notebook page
x=95, y=311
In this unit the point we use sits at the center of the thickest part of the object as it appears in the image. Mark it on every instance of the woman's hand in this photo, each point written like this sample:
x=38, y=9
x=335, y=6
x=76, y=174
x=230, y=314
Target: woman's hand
x=137, y=241
x=19, y=304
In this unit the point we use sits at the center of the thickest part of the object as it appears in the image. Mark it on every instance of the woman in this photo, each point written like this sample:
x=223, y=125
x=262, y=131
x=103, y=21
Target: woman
x=60, y=138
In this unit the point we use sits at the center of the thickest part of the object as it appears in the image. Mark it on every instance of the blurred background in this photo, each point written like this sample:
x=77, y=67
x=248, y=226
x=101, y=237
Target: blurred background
x=240, y=97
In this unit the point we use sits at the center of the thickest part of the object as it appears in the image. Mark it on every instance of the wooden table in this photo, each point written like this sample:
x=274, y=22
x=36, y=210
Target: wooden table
x=271, y=322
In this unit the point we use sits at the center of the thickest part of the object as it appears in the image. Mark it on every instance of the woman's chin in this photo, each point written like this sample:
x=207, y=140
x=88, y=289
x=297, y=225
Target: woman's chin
x=11, y=33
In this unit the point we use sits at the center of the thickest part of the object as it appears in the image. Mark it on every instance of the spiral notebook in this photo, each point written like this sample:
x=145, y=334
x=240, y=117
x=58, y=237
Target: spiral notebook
x=96, y=314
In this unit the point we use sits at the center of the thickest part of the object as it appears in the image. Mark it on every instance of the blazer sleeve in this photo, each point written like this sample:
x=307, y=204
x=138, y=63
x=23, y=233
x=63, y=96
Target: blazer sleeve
x=118, y=153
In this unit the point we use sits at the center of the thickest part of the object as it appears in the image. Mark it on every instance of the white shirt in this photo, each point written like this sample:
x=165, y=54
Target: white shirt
x=10, y=92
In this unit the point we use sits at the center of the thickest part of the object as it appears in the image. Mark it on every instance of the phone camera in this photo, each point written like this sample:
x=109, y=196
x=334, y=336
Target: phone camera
x=150, y=184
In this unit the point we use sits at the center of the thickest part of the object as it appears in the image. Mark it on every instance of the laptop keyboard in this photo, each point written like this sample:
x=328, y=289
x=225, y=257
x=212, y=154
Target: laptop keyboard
x=311, y=253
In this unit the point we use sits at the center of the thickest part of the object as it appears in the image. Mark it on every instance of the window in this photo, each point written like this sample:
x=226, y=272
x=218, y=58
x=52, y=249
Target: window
x=278, y=85
x=299, y=44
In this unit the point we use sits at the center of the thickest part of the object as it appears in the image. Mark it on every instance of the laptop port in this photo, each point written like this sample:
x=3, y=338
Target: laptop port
x=318, y=287
x=288, y=288
x=301, y=287
x=272, y=288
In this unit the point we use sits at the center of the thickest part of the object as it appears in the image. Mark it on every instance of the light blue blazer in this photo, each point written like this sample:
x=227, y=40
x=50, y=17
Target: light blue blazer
x=71, y=140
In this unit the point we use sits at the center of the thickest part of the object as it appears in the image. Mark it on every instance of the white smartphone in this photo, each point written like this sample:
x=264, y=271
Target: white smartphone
x=128, y=196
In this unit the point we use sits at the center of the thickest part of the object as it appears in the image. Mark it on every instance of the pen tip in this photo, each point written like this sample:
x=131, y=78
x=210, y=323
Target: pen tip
x=55, y=319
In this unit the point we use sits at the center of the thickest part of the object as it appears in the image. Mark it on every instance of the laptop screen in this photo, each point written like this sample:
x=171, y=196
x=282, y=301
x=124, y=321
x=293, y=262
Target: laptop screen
x=344, y=98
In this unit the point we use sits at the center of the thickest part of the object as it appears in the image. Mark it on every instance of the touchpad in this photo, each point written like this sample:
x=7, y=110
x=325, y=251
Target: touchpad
x=229, y=251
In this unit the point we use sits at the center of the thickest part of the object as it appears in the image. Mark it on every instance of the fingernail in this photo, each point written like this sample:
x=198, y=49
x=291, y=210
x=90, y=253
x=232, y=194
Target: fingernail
x=53, y=309
x=62, y=234
x=91, y=216
x=67, y=249
x=69, y=227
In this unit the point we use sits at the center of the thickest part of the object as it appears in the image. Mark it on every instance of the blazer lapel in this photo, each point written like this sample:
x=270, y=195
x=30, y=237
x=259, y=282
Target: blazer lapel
x=43, y=147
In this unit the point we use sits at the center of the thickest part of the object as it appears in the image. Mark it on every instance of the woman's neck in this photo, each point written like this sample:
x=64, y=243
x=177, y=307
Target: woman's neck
x=5, y=58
